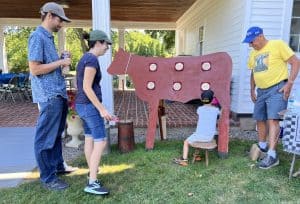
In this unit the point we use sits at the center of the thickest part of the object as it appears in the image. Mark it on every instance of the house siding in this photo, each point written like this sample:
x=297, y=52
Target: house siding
x=225, y=24
x=223, y=27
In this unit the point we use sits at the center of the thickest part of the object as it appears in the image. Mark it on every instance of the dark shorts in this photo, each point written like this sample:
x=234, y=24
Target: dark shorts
x=93, y=123
x=269, y=102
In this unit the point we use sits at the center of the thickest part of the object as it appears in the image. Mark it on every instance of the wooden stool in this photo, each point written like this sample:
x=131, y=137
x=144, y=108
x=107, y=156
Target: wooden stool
x=206, y=146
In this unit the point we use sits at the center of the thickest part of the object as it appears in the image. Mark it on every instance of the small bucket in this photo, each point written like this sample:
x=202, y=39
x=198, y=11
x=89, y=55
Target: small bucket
x=125, y=136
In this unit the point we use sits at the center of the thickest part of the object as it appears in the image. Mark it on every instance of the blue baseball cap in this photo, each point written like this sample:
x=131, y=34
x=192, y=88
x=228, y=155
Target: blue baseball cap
x=252, y=33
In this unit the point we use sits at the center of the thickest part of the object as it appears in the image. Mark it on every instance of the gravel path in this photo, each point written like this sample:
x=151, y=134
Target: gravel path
x=140, y=134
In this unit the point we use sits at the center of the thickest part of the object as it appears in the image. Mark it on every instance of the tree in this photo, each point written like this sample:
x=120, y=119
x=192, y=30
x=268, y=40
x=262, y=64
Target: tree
x=166, y=36
x=75, y=44
x=16, y=39
x=160, y=44
x=142, y=44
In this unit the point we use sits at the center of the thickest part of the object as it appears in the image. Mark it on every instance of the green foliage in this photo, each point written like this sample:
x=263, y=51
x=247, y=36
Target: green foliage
x=142, y=44
x=137, y=42
x=166, y=36
x=75, y=44
x=16, y=40
x=115, y=40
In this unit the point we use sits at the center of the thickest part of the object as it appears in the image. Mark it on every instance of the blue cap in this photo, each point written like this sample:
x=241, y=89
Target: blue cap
x=252, y=33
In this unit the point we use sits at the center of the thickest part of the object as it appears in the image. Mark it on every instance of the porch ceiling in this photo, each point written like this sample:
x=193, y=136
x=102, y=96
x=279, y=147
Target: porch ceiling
x=121, y=10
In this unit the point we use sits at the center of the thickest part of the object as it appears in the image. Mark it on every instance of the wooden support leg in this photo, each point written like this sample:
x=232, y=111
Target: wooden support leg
x=223, y=138
x=152, y=121
x=206, y=157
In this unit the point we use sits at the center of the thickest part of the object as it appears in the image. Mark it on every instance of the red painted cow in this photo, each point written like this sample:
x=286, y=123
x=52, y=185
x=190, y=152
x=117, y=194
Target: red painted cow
x=178, y=79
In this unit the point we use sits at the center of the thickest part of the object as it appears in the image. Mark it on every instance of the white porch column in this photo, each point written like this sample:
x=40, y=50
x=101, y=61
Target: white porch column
x=3, y=57
x=180, y=42
x=122, y=45
x=101, y=21
x=61, y=40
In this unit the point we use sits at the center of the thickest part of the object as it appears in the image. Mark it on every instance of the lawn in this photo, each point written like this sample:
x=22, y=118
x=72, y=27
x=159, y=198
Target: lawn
x=151, y=177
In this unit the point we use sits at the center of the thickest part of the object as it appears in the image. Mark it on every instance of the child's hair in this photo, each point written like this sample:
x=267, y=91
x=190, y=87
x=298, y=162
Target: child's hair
x=207, y=96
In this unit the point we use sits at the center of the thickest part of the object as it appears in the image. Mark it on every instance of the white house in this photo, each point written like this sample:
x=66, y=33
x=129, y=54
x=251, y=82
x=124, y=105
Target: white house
x=220, y=25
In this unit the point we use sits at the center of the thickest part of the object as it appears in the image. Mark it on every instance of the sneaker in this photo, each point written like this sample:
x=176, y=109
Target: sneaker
x=265, y=150
x=66, y=169
x=96, y=188
x=88, y=177
x=257, y=153
x=180, y=161
x=268, y=162
x=56, y=185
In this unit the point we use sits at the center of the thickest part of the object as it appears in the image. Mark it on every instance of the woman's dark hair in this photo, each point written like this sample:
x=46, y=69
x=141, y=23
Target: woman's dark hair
x=91, y=44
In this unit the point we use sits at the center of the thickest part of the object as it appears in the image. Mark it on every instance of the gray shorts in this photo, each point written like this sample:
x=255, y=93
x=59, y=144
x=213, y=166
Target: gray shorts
x=269, y=102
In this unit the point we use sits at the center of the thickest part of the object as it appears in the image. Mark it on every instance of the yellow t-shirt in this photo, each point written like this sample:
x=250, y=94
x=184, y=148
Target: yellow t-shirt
x=269, y=65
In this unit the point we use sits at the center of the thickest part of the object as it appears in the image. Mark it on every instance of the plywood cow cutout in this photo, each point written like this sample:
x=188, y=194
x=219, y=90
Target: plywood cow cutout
x=178, y=79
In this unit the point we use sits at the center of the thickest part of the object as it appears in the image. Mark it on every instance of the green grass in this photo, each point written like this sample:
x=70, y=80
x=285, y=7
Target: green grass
x=151, y=177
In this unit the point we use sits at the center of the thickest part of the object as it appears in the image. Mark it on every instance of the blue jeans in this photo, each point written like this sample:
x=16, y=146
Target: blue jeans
x=47, y=143
x=93, y=123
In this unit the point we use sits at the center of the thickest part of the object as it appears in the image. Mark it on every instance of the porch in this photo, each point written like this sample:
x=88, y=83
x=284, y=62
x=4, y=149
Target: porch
x=127, y=105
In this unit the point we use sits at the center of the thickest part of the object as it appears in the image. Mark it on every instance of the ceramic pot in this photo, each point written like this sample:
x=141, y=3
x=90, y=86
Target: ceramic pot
x=74, y=129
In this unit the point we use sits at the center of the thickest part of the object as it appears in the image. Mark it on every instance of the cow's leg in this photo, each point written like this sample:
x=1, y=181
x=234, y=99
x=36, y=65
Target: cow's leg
x=152, y=121
x=223, y=138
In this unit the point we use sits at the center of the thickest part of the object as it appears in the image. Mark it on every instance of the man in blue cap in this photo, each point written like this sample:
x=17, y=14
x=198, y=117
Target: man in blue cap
x=269, y=74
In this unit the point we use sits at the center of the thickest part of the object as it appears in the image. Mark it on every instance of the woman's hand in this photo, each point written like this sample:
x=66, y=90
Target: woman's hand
x=106, y=115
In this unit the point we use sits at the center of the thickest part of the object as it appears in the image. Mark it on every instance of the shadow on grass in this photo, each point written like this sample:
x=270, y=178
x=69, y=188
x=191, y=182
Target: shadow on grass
x=151, y=177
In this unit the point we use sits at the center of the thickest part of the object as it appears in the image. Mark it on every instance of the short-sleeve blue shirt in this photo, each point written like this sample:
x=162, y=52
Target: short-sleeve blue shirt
x=41, y=48
x=88, y=60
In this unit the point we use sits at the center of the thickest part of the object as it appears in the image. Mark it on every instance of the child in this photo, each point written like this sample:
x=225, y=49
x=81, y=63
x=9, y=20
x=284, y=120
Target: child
x=206, y=126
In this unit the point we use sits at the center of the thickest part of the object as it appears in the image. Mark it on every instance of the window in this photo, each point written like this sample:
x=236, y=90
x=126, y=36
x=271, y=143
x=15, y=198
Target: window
x=201, y=34
x=295, y=27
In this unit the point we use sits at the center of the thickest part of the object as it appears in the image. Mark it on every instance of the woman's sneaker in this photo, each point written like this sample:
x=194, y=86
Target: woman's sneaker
x=88, y=177
x=96, y=188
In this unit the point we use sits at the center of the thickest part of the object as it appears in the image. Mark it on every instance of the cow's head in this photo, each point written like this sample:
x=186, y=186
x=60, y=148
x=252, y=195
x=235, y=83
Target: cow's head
x=120, y=63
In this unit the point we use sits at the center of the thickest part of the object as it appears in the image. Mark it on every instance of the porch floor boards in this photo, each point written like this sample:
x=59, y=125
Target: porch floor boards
x=127, y=106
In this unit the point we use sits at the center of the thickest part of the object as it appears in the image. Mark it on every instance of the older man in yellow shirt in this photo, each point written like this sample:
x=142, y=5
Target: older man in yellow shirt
x=271, y=85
